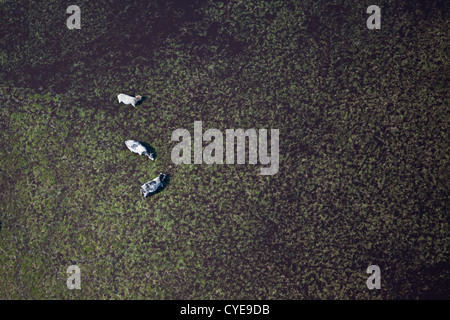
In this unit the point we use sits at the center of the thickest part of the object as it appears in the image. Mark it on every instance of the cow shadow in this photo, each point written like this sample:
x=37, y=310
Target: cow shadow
x=149, y=148
x=141, y=101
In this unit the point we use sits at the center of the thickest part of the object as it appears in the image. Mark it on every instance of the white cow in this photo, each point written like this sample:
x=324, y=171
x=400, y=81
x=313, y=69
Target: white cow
x=137, y=147
x=129, y=99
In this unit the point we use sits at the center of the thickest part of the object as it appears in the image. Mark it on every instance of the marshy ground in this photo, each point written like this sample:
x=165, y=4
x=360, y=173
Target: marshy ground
x=363, y=177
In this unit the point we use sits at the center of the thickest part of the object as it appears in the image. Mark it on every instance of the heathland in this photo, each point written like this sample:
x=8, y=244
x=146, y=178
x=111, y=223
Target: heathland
x=363, y=156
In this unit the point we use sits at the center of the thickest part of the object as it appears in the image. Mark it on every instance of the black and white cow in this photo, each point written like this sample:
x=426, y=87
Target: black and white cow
x=152, y=186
